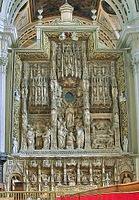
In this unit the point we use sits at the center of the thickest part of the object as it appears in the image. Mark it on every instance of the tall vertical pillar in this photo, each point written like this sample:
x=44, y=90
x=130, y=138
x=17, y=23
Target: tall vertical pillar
x=85, y=86
x=130, y=38
x=53, y=98
x=135, y=65
x=3, y=66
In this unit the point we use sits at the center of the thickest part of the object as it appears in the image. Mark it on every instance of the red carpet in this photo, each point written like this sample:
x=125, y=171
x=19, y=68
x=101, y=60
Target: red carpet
x=115, y=196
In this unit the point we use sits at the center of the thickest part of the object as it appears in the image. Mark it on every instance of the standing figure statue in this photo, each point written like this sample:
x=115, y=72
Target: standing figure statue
x=61, y=133
x=87, y=117
x=70, y=141
x=70, y=117
x=125, y=144
x=61, y=139
x=15, y=145
x=46, y=138
x=30, y=138
x=80, y=138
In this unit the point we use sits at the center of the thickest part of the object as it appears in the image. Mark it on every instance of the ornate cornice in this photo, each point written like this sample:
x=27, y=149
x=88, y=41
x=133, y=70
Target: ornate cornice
x=129, y=34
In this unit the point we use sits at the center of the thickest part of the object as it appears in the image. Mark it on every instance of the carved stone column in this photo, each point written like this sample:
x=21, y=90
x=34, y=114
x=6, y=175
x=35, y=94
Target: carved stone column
x=54, y=129
x=24, y=95
x=65, y=173
x=91, y=174
x=135, y=65
x=86, y=114
x=116, y=172
x=86, y=103
x=53, y=97
x=3, y=65
x=115, y=107
x=78, y=174
x=130, y=38
x=27, y=177
x=6, y=33
x=39, y=176
x=103, y=173
x=52, y=175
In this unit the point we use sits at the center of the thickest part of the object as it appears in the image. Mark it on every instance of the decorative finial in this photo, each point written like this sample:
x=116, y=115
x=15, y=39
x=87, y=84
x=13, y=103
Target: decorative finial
x=40, y=11
x=66, y=1
x=93, y=11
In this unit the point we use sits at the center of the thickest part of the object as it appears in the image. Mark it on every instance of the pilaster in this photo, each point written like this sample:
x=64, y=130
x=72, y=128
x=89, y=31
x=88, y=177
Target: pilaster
x=130, y=38
x=135, y=67
x=8, y=37
x=3, y=65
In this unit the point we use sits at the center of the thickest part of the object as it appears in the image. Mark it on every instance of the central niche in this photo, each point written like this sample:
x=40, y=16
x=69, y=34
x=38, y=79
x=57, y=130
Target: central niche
x=69, y=97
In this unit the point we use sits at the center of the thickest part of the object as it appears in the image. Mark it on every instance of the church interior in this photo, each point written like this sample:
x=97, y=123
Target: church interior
x=69, y=91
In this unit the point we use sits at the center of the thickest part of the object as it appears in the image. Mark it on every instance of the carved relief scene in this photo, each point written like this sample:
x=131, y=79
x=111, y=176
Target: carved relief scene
x=68, y=173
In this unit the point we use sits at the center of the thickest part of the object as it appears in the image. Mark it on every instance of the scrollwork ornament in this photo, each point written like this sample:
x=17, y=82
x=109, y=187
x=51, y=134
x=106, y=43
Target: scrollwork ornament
x=122, y=88
x=17, y=71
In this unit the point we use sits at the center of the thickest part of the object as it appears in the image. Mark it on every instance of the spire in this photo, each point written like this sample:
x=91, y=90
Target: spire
x=66, y=12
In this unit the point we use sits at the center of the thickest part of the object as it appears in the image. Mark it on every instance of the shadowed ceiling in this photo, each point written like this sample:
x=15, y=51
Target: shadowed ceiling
x=51, y=7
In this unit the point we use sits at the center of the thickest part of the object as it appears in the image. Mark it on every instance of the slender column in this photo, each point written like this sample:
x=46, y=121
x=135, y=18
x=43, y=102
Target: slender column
x=115, y=173
x=5, y=41
x=53, y=98
x=115, y=107
x=91, y=174
x=103, y=173
x=24, y=95
x=39, y=177
x=135, y=66
x=27, y=177
x=86, y=114
x=3, y=64
x=65, y=174
x=86, y=85
x=78, y=174
x=52, y=176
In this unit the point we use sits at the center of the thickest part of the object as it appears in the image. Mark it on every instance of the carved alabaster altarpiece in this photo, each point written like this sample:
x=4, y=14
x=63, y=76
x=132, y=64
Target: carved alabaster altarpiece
x=69, y=122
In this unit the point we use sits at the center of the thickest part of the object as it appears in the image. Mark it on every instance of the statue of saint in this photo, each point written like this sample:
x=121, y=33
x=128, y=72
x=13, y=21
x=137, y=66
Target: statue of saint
x=46, y=138
x=30, y=138
x=15, y=145
x=61, y=139
x=45, y=179
x=87, y=117
x=70, y=141
x=61, y=133
x=80, y=138
x=126, y=178
x=125, y=144
x=33, y=178
x=70, y=117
